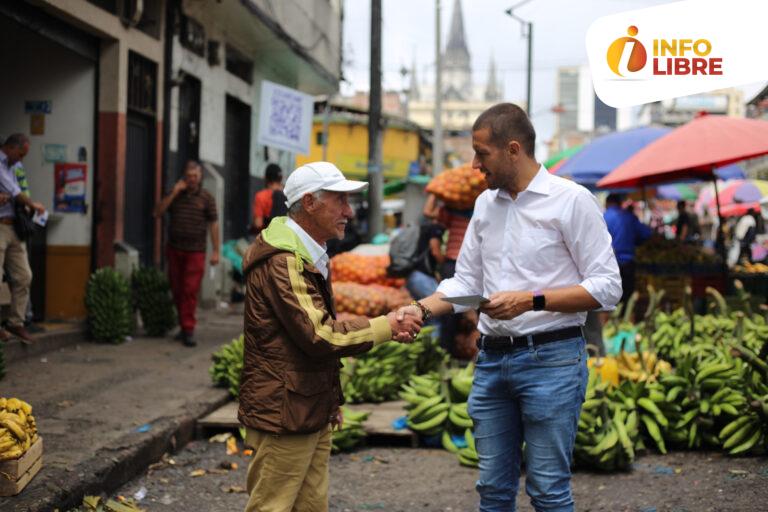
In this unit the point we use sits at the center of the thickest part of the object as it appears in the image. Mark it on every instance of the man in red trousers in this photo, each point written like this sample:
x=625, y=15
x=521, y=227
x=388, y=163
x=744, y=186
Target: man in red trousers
x=193, y=214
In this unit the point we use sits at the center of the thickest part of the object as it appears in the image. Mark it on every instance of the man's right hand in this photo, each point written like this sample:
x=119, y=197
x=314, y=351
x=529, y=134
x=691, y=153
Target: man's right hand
x=38, y=207
x=404, y=330
x=180, y=187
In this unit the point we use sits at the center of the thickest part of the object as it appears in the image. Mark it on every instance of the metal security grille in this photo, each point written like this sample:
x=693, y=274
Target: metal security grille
x=142, y=84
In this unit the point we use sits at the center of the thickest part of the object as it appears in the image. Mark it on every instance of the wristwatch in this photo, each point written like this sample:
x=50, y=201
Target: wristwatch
x=426, y=313
x=539, y=301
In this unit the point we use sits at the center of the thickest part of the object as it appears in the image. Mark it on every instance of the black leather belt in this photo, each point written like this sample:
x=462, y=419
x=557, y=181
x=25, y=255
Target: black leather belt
x=507, y=343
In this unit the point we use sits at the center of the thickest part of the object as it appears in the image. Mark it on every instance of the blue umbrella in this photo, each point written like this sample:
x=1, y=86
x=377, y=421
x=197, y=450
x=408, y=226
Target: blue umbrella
x=604, y=154
x=730, y=172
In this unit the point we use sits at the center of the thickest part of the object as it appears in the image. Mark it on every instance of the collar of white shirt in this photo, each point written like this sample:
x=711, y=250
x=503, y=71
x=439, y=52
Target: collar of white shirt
x=316, y=251
x=539, y=185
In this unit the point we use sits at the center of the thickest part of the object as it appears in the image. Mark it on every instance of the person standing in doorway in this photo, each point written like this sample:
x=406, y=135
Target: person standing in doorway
x=192, y=214
x=269, y=202
x=13, y=251
x=538, y=249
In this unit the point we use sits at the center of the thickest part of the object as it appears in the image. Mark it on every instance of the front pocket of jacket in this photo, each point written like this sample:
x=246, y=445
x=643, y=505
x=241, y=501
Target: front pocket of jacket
x=307, y=401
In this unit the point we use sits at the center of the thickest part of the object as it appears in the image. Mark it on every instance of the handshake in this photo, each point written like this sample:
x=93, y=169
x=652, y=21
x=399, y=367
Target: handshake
x=405, y=323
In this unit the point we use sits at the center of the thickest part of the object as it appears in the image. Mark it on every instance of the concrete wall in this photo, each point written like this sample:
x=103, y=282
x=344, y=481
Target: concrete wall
x=69, y=81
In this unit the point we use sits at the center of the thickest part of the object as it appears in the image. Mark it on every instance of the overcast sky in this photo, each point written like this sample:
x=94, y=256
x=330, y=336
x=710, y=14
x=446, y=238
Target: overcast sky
x=408, y=34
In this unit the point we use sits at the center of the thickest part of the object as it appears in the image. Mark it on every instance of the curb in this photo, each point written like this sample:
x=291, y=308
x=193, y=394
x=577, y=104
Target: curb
x=14, y=350
x=110, y=468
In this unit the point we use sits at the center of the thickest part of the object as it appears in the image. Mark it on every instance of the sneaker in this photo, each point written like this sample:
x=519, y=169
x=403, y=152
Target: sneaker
x=4, y=335
x=189, y=340
x=179, y=336
x=20, y=332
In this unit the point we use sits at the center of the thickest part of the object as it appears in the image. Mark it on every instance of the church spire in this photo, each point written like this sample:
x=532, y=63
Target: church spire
x=457, y=76
x=492, y=89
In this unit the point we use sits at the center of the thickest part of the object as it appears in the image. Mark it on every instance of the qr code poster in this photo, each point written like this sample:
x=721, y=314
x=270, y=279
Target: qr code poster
x=285, y=120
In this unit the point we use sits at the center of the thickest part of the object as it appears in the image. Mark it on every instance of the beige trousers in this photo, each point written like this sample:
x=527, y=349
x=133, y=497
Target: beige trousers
x=289, y=473
x=15, y=264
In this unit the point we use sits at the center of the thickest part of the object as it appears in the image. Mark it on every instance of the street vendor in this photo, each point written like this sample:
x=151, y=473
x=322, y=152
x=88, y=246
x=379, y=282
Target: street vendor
x=538, y=249
x=290, y=391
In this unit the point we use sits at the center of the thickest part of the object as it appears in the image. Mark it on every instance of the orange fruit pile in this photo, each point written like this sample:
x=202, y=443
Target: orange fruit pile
x=458, y=188
x=363, y=269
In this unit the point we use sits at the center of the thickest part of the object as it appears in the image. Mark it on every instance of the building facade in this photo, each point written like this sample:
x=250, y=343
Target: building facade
x=118, y=94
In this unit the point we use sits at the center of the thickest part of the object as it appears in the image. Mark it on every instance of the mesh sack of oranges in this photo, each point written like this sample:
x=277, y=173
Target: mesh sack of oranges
x=359, y=299
x=458, y=188
x=395, y=297
x=363, y=269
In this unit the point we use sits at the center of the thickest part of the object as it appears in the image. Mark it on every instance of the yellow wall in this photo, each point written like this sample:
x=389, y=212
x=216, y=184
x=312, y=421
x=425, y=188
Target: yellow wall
x=348, y=149
x=67, y=269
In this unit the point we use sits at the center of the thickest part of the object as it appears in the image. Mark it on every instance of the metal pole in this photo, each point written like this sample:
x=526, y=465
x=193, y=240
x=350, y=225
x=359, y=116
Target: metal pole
x=437, y=134
x=530, y=58
x=375, y=178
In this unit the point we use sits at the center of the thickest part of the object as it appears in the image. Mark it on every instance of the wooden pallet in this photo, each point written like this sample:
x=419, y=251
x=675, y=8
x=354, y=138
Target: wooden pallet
x=378, y=426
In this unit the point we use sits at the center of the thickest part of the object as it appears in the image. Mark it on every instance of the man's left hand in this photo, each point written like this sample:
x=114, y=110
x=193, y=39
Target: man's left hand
x=337, y=421
x=214, y=258
x=508, y=305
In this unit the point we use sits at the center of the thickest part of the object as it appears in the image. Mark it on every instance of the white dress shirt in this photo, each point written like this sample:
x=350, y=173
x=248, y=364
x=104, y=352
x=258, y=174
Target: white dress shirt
x=552, y=236
x=316, y=251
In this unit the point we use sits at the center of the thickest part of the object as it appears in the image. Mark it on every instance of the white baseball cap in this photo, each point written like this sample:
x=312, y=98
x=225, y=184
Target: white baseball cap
x=316, y=176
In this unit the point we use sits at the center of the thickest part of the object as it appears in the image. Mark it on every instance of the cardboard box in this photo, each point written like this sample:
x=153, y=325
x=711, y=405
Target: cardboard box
x=16, y=474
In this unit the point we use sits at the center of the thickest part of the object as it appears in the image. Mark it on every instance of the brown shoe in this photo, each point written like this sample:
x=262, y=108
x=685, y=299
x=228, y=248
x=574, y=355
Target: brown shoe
x=4, y=335
x=20, y=332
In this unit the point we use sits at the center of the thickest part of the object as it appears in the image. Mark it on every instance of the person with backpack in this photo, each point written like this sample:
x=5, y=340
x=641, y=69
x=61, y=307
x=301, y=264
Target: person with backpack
x=269, y=202
x=415, y=253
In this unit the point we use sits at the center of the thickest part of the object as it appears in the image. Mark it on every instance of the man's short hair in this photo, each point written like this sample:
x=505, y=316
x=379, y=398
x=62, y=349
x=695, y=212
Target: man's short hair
x=193, y=164
x=508, y=122
x=273, y=174
x=614, y=199
x=16, y=140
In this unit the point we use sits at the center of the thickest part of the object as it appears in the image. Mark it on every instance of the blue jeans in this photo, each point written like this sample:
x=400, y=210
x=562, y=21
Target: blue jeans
x=532, y=395
x=420, y=285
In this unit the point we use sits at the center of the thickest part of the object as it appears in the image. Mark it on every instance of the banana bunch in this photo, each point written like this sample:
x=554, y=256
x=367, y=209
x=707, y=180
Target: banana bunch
x=641, y=368
x=378, y=375
x=109, y=304
x=607, y=435
x=18, y=429
x=351, y=432
x=152, y=296
x=228, y=365
x=648, y=401
x=461, y=383
x=467, y=455
x=2, y=362
x=708, y=392
x=428, y=404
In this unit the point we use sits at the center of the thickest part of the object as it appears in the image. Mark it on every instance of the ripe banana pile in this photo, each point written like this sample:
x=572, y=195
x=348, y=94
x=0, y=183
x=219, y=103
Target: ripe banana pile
x=18, y=430
x=640, y=369
x=351, y=432
x=378, y=375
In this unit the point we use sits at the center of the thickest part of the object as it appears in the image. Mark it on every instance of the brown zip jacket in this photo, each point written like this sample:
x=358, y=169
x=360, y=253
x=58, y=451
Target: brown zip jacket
x=293, y=342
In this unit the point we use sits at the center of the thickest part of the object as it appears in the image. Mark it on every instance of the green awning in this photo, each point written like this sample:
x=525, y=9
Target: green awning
x=566, y=153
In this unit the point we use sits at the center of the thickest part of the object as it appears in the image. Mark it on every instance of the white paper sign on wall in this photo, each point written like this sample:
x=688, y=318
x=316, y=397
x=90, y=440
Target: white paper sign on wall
x=285, y=118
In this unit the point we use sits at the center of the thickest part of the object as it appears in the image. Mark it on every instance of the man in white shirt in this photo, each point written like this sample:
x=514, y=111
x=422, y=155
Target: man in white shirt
x=537, y=246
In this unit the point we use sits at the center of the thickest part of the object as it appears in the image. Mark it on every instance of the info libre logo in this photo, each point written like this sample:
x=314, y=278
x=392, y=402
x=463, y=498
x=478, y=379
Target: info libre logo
x=671, y=57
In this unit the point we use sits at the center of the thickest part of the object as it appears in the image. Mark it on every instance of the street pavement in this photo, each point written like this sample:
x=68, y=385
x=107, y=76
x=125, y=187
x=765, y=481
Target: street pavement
x=105, y=412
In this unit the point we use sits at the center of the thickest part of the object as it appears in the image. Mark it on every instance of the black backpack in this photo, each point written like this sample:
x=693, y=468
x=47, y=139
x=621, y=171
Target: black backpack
x=404, y=253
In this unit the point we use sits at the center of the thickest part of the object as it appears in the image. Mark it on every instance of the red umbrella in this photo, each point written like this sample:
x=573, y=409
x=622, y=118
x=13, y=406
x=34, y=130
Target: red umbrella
x=693, y=150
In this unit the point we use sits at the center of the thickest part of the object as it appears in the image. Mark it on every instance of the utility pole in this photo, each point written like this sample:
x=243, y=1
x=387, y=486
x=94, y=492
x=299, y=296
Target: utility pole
x=375, y=178
x=527, y=28
x=437, y=132
x=326, y=125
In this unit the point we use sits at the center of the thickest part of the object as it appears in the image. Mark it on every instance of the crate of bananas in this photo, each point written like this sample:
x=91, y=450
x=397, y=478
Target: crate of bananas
x=21, y=448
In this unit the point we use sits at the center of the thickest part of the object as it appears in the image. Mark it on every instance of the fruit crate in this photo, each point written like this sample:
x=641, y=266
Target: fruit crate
x=15, y=474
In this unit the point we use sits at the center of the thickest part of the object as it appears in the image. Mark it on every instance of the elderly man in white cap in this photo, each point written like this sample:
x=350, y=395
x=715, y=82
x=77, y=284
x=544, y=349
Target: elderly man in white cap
x=290, y=391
